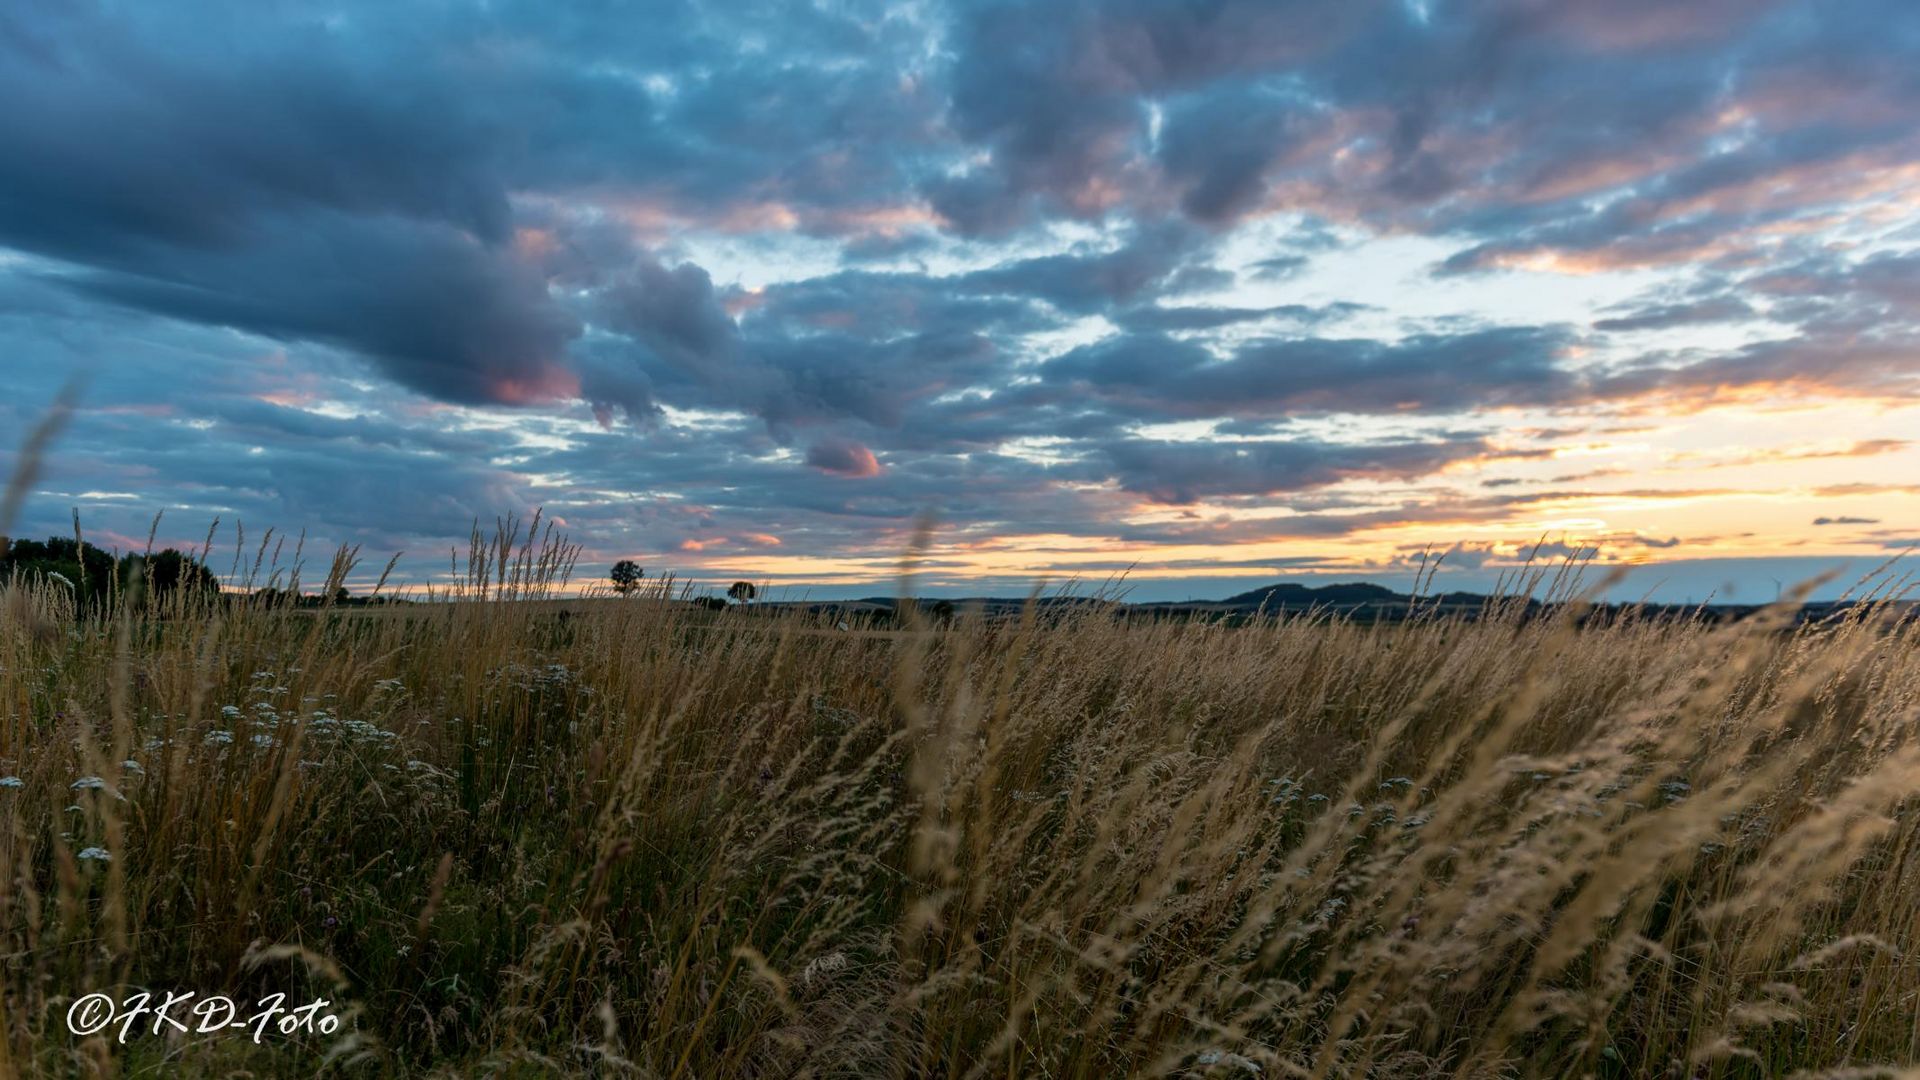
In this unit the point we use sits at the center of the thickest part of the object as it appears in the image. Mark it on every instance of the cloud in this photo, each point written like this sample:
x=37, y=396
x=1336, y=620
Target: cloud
x=1668, y=316
x=842, y=457
x=1179, y=472
x=1147, y=375
x=355, y=182
x=429, y=305
x=1052, y=262
x=1082, y=283
x=1844, y=520
x=1058, y=94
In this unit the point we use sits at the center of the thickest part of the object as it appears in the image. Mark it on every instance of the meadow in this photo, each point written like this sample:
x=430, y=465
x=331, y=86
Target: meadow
x=509, y=835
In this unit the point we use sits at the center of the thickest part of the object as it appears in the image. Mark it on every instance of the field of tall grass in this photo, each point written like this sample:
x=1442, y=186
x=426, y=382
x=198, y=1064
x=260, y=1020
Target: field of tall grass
x=508, y=835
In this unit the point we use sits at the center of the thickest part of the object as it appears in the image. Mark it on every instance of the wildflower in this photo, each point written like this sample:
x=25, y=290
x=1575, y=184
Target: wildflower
x=11, y=782
x=94, y=854
x=133, y=767
x=822, y=966
x=1221, y=1057
x=88, y=783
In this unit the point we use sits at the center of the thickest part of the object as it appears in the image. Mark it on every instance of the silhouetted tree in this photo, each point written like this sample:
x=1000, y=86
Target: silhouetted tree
x=87, y=567
x=626, y=575
x=168, y=571
x=742, y=592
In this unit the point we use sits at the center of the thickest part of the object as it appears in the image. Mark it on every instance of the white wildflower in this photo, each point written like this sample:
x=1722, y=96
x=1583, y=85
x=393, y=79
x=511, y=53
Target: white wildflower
x=1222, y=1057
x=821, y=966
x=94, y=854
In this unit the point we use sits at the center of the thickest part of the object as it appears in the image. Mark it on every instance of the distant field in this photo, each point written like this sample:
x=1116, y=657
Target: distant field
x=649, y=840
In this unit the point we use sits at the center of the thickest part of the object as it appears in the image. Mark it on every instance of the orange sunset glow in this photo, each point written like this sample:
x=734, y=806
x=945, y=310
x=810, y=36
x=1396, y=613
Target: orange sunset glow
x=1193, y=299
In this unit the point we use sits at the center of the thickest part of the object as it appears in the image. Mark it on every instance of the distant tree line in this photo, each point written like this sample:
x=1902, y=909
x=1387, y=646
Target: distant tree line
x=96, y=576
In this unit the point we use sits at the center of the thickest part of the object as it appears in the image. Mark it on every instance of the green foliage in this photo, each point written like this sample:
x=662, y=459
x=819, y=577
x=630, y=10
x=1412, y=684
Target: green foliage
x=96, y=576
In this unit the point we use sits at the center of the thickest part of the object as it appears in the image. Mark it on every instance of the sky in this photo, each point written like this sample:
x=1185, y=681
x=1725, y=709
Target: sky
x=1209, y=293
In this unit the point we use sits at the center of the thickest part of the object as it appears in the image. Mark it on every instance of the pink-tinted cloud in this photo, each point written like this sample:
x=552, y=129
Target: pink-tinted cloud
x=843, y=457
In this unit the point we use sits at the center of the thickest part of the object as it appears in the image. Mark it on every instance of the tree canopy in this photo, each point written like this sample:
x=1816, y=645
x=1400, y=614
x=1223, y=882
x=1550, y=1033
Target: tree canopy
x=626, y=575
x=95, y=575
